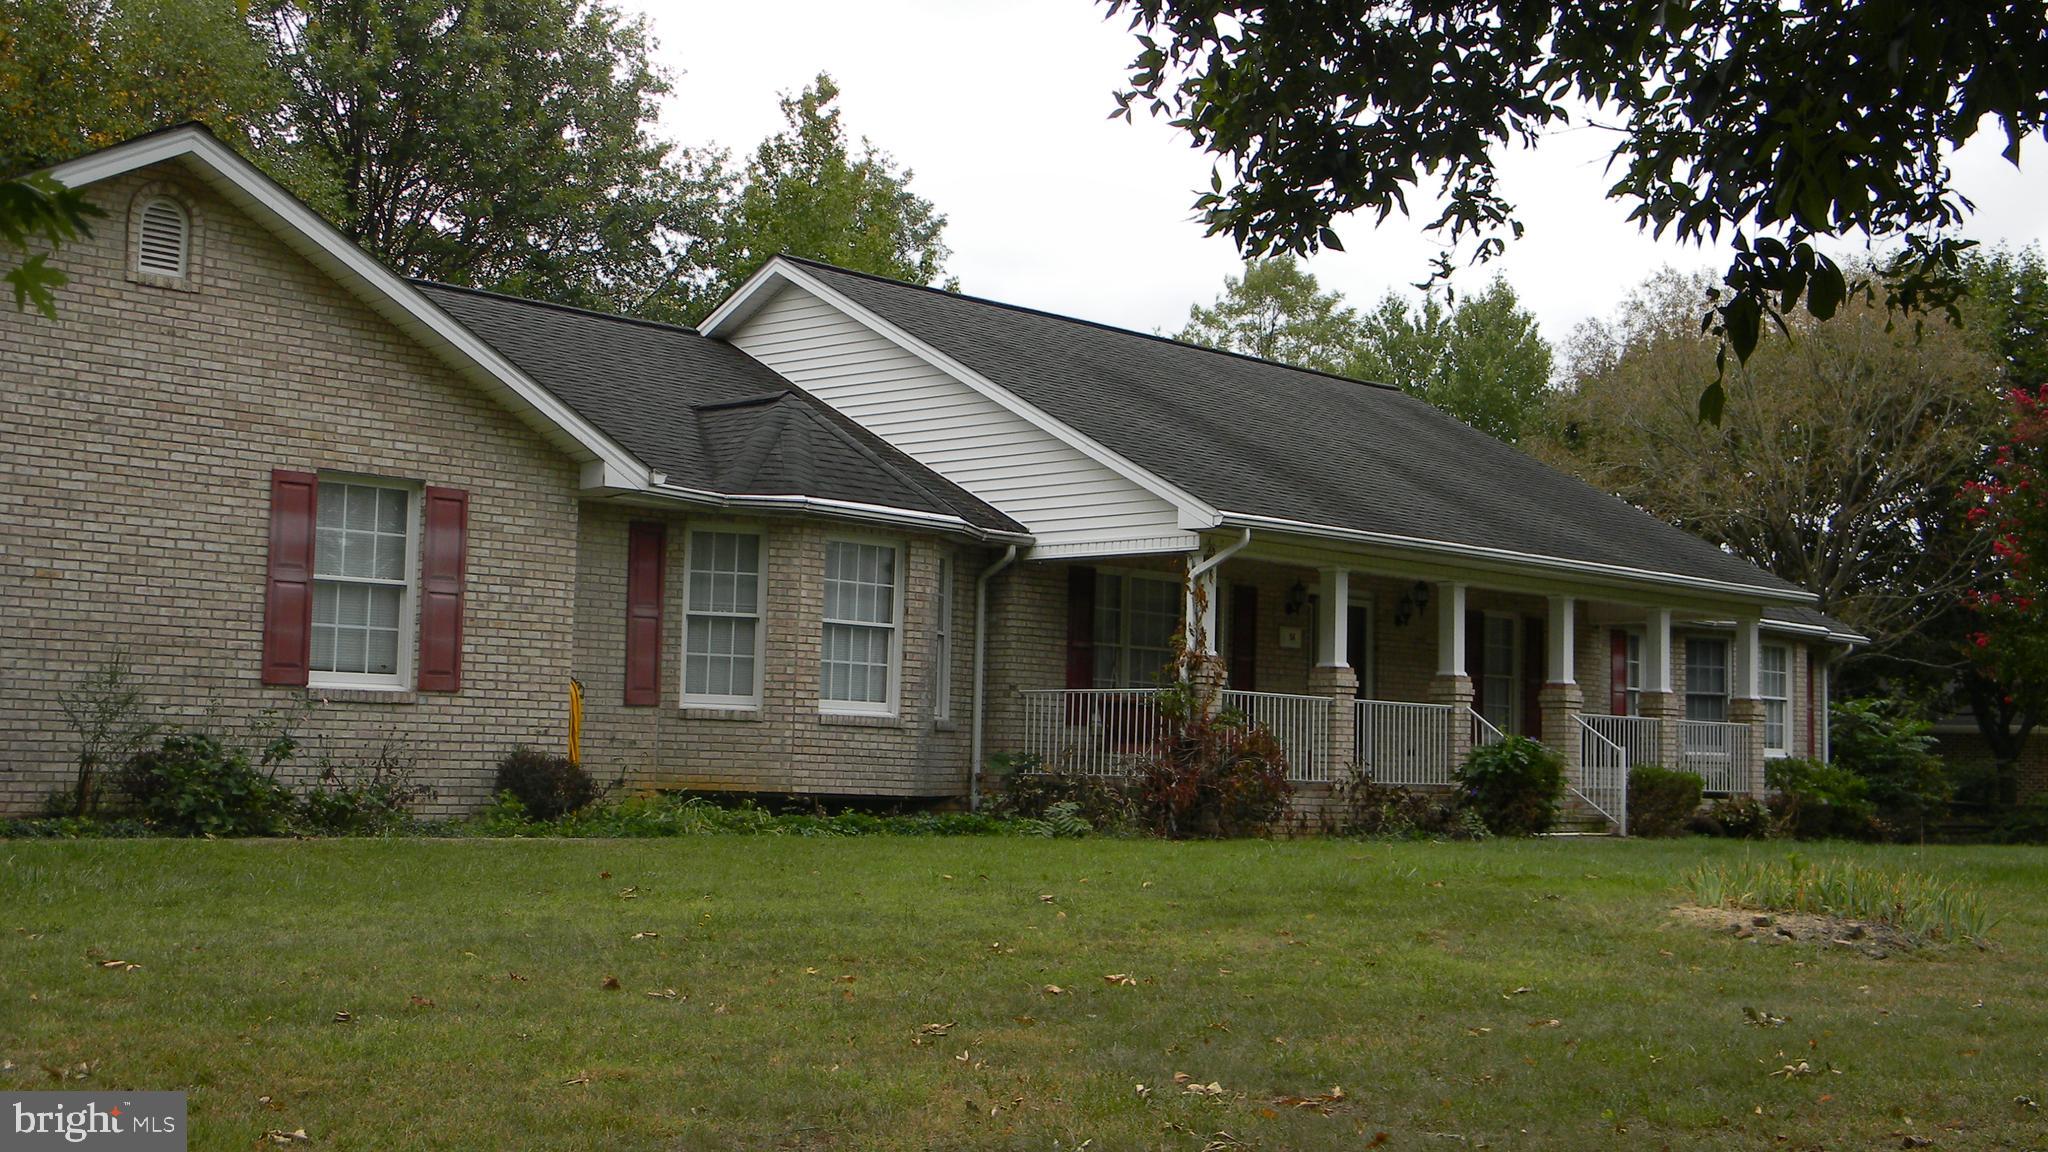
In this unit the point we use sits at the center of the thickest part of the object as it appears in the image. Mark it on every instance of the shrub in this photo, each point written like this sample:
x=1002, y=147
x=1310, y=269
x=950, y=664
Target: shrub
x=364, y=799
x=194, y=785
x=108, y=722
x=1817, y=801
x=1891, y=748
x=1661, y=801
x=547, y=786
x=1364, y=807
x=2024, y=824
x=1022, y=788
x=1737, y=817
x=1210, y=773
x=1924, y=905
x=1514, y=785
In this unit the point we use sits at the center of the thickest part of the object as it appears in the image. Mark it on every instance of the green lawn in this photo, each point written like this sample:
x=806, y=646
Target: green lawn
x=1513, y=995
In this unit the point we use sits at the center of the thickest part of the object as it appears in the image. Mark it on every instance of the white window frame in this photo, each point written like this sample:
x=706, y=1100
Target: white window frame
x=1125, y=577
x=892, y=706
x=942, y=642
x=1782, y=703
x=408, y=606
x=759, y=616
x=1727, y=676
x=1513, y=674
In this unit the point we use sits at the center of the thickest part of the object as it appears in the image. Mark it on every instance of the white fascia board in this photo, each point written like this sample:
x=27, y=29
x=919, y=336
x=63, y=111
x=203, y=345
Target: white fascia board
x=1506, y=560
x=317, y=240
x=778, y=272
x=841, y=509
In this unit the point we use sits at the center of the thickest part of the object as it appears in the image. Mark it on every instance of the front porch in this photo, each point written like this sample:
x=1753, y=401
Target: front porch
x=1401, y=676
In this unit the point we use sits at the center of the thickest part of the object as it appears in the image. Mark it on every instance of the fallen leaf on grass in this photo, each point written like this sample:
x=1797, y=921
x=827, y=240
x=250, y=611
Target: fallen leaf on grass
x=344, y=1017
x=1523, y=990
x=576, y=1080
x=1552, y=1022
x=1120, y=980
x=1055, y=990
x=1212, y=1088
x=1758, y=1019
x=278, y=1136
x=1478, y=1031
x=646, y=935
x=1320, y=1102
x=1045, y=897
x=419, y=1002
x=662, y=993
x=515, y=976
x=611, y=983
x=123, y=965
x=1141, y=1091
x=936, y=1029
x=629, y=893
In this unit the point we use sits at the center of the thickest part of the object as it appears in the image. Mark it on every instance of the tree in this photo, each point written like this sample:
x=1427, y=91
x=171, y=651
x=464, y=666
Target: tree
x=1276, y=311
x=504, y=144
x=806, y=193
x=36, y=210
x=1483, y=361
x=1774, y=124
x=2008, y=688
x=82, y=74
x=2007, y=631
x=1840, y=465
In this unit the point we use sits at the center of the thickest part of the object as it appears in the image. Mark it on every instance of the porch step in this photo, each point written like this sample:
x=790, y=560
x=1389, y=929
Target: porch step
x=1575, y=816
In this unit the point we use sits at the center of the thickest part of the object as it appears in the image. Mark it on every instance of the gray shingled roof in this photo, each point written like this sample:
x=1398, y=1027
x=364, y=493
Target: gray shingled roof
x=1257, y=438
x=702, y=411
x=1812, y=618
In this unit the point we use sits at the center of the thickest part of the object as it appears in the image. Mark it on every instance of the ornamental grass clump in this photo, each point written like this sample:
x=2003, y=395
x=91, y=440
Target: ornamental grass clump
x=1926, y=906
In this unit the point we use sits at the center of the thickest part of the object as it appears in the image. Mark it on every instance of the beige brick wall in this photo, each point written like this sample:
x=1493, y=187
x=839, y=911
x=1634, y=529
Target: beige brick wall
x=788, y=744
x=137, y=436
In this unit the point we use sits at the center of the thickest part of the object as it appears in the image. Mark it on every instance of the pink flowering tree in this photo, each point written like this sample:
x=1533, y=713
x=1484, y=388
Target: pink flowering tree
x=2009, y=648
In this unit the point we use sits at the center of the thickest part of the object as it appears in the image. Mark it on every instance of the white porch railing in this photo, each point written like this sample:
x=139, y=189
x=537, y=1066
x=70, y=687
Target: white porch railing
x=1091, y=731
x=1719, y=753
x=1405, y=744
x=1483, y=731
x=1636, y=735
x=1603, y=774
x=1300, y=723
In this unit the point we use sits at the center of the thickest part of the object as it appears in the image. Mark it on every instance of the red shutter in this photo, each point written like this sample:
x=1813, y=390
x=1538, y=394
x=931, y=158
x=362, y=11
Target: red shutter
x=646, y=546
x=1475, y=652
x=443, y=571
x=1617, y=697
x=1080, y=627
x=288, y=588
x=1244, y=637
x=1532, y=678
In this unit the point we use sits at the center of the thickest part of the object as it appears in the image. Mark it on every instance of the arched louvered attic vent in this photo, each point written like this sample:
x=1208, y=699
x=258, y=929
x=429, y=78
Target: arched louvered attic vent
x=163, y=238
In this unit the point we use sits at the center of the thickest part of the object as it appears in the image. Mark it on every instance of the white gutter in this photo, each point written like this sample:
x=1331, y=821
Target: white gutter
x=1507, y=559
x=851, y=509
x=981, y=673
x=1195, y=575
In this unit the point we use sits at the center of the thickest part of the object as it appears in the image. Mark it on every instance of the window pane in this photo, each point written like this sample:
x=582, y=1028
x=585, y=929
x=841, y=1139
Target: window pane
x=391, y=511
x=383, y=654
x=323, y=648
x=351, y=650
x=362, y=509
x=331, y=499
x=384, y=606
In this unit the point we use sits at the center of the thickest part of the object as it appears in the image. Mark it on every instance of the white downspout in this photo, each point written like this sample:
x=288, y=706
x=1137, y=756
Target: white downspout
x=981, y=672
x=1195, y=575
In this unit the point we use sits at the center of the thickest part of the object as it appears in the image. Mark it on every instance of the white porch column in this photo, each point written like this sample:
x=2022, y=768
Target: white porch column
x=1746, y=705
x=1203, y=621
x=1559, y=639
x=1333, y=618
x=1450, y=629
x=1822, y=721
x=1749, y=653
x=1657, y=651
x=1655, y=700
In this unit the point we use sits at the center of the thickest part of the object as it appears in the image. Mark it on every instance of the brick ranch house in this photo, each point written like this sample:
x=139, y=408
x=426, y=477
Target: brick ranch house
x=848, y=539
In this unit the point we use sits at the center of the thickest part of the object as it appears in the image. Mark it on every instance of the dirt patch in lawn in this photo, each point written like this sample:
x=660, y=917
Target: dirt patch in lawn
x=1863, y=937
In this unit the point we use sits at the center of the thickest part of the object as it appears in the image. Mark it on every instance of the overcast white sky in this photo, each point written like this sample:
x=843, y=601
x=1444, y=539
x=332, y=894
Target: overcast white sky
x=1000, y=107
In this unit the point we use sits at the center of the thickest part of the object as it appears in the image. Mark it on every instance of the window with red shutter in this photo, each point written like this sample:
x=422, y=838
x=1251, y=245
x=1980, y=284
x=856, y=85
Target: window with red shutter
x=288, y=588
x=443, y=574
x=646, y=552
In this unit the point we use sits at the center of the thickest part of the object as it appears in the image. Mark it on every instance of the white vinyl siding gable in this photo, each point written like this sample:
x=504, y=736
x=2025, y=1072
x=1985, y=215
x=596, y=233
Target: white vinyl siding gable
x=1054, y=489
